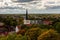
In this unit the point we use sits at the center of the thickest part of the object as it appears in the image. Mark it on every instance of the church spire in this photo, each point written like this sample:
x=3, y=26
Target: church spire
x=26, y=14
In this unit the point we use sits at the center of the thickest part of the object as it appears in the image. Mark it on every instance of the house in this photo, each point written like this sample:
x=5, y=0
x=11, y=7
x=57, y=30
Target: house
x=5, y=29
x=47, y=22
x=2, y=29
x=18, y=28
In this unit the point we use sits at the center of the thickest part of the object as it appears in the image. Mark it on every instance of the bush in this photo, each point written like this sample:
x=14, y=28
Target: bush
x=3, y=38
x=20, y=37
x=11, y=36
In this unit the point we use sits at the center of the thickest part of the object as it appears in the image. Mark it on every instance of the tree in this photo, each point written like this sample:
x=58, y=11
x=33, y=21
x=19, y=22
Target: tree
x=49, y=35
x=57, y=26
x=33, y=33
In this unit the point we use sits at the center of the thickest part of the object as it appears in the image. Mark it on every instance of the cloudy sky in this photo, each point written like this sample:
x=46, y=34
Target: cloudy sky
x=33, y=6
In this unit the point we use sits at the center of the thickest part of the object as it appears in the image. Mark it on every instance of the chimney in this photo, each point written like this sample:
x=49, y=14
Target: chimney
x=26, y=14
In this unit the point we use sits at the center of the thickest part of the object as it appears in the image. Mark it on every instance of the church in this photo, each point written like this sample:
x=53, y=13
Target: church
x=28, y=21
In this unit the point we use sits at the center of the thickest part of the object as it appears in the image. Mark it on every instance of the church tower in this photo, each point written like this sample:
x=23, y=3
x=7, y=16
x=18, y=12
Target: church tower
x=26, y=20
x=26, y=14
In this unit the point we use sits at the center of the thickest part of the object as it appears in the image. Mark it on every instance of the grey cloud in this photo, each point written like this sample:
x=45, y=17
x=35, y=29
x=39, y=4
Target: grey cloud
x=55, y=7
x=11, y=8
x=51, y=2
x=33, y=2
x=23, y=0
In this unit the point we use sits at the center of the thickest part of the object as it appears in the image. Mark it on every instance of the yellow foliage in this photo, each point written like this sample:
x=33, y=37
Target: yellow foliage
x=33, y=33
x=49, y=35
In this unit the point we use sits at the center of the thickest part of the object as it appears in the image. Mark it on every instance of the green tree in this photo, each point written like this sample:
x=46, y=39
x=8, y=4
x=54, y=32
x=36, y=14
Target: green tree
x=57, y=26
